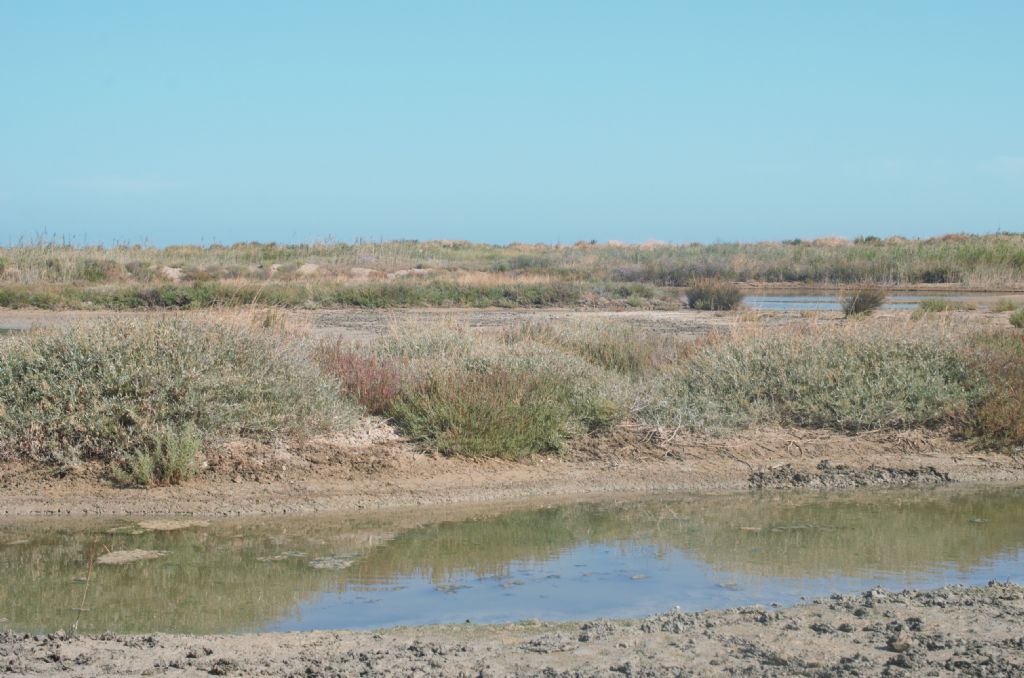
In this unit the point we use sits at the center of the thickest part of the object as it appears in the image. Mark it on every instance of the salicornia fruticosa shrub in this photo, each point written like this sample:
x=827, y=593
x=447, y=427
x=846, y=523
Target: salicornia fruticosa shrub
x=998, y=361
x=852, y=380
x=121, y=387
x=478, y=395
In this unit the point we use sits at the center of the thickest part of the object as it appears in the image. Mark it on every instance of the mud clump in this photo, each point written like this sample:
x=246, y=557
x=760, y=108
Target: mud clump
x=951, y=631
x=831, y=476
x=129, y=556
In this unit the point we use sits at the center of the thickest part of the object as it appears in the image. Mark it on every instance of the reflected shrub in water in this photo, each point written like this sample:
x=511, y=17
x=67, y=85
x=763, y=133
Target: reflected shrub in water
x=118, y=387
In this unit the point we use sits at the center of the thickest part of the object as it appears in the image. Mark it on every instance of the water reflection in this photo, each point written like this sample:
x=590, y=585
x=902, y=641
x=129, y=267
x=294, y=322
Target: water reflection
x=830, y=302
x=585, y=560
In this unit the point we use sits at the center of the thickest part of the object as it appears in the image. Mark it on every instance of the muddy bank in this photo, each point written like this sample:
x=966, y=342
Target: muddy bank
x=827, y=475
x=368, y=324
x=951, y=631
x=374, y=469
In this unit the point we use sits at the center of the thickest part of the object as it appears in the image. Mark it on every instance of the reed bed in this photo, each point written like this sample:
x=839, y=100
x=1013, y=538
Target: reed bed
x=52, y=273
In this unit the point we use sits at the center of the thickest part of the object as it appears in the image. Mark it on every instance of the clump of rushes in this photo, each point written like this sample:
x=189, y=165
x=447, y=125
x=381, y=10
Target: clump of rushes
x=713, y=294
x=862, y=301
x=478, y=395
x=1017, y=319
x=1003, y=305
x=144, y=393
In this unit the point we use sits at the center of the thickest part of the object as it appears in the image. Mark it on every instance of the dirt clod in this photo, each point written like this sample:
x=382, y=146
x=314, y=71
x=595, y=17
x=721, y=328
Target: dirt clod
x=840, y=476
x=972, y=631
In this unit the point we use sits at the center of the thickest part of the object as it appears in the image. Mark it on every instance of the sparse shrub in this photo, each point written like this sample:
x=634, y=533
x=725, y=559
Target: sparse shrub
x=862, y=301
x=1017, y=319
x=117, y=387
x=1002, y=306
x=713, y=294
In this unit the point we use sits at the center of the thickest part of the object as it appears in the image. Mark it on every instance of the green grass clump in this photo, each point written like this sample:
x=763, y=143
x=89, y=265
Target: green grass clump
x=850, y=381
x=489, y=411
x=117, y=388
x=943, y=305
x=1017, y=319
x=863, y=301
x=713, y=294
x=170, y=461
x=1003, y=305
x=478, y=395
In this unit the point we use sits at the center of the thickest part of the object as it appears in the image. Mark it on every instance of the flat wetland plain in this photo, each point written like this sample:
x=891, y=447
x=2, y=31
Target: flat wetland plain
x=429, y=394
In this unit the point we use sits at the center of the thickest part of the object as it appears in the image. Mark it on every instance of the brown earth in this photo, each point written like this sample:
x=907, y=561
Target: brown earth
x=953, y=631
x=376, y=469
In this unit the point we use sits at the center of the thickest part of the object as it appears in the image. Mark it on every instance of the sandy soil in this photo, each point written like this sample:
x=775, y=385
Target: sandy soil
x=376, y=469
x=952, y=631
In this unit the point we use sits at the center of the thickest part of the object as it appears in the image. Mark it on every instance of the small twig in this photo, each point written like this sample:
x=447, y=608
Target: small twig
x=88, y=579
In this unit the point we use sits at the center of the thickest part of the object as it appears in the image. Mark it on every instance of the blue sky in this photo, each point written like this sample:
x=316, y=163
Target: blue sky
x=497, y=121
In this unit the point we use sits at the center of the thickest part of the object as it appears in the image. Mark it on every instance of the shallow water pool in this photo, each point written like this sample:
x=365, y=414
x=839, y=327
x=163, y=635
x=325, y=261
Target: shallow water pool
x=831, y=302
x=609, y=558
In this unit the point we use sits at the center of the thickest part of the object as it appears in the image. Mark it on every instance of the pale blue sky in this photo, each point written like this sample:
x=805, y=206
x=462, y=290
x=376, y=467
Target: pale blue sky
x=217, y=121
